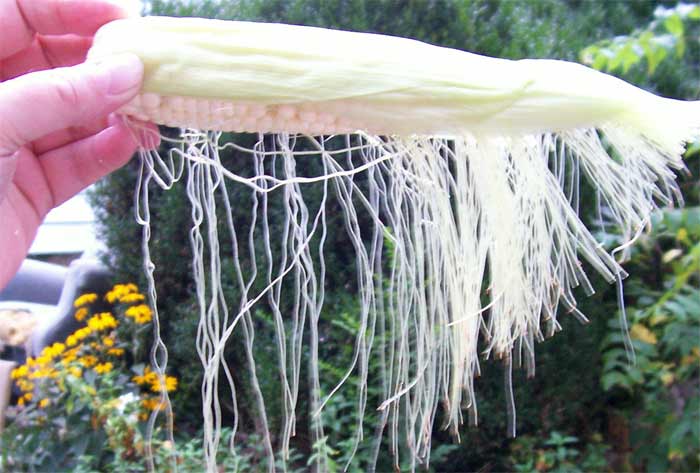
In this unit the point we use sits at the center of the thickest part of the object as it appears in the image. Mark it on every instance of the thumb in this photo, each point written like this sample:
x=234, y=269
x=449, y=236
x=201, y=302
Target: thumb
x=39, y=103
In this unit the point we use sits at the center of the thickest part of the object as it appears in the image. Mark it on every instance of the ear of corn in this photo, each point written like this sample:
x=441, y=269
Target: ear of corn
x=243, y=76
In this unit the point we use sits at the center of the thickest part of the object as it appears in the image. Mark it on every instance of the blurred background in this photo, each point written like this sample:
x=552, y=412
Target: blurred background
x=588, y=408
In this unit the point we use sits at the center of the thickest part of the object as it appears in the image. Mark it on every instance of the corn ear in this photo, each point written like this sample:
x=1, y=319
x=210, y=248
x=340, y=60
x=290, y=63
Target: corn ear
x=243, y=76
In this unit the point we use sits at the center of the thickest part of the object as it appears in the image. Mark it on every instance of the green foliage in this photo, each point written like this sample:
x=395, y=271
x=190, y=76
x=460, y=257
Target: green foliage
x=559, y=453
x=659, y=392
x=665, y=38
x=665, y=35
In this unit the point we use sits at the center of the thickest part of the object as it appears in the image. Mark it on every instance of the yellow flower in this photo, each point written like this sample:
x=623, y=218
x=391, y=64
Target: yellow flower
x=75, y=371
x=41, y=373
x=102, y=321
x=148, y=377
x=170, y=384
x=44, y=403
x=141, y=313
x=71, y=340
x=20, y=372
x=88, y=360
x=81, y=313
x=152, y=404
x=640, y=332
x=108, y=341
x=43, y=359
x=132, y=298
x=27, y=397
x=82, y=333
x=51, y=352
x=667, y=378
x=115, y=351
x=85, y=299
x=70, y=355
x=25, y=385
x=103, y=368
x=120, y=291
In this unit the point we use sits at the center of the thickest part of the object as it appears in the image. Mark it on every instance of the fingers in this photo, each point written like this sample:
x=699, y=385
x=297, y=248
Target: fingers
x=34, y=105
x=73, y=167
x=63, y=137
x=46, y=52
x=20, y=19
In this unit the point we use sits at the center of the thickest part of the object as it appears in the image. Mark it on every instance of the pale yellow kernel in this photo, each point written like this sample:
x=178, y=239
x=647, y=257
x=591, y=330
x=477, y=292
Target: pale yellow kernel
x=255, y=111
x=265, y=123
x=189, y=105
x=247, y=124
x=325, y=119
x=286, y=112
x=203, y=108
x=307, y=116
x=176, y=103
x=150, y=101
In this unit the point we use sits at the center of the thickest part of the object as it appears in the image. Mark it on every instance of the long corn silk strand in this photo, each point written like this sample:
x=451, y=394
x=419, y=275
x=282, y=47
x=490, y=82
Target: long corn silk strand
x=442, y=205
x=468, y=169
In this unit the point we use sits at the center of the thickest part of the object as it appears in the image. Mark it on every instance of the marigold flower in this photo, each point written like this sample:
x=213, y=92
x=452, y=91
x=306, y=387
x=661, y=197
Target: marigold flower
x=152, y=404
x=51, y=352
x=85, y=299
x=108, y=341
x=102, y=321
x=103, y=368
x=120, y=291
x=82, y=333
x=148, y=377
x=88, y=360
x=43, y=359
x=132, y=298
x=70, y=355
x=141, y=313
x=44, y=403
x=80, y=314
x=75, y=371
x=115, y=351
x=25, y=385
x=71, y=340
x=169, y=384
x=20, y=372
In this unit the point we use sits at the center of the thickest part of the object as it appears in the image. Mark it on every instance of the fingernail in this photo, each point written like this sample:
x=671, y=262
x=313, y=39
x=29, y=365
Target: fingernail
x=122, y=74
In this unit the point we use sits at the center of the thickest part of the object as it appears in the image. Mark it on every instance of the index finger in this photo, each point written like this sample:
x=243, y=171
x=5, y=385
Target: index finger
x=20, y=19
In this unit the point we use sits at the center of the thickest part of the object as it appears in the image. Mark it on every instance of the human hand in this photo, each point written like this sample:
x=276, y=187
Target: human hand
x=56, y=133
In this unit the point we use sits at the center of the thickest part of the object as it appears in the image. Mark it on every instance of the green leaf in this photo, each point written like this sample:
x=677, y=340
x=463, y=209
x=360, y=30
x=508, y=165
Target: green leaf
x=680, y=47
x=600, y=62
x=628, y=57
x=615, y=379
x=674, y=25
x=694, y=14
x=654, y=58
